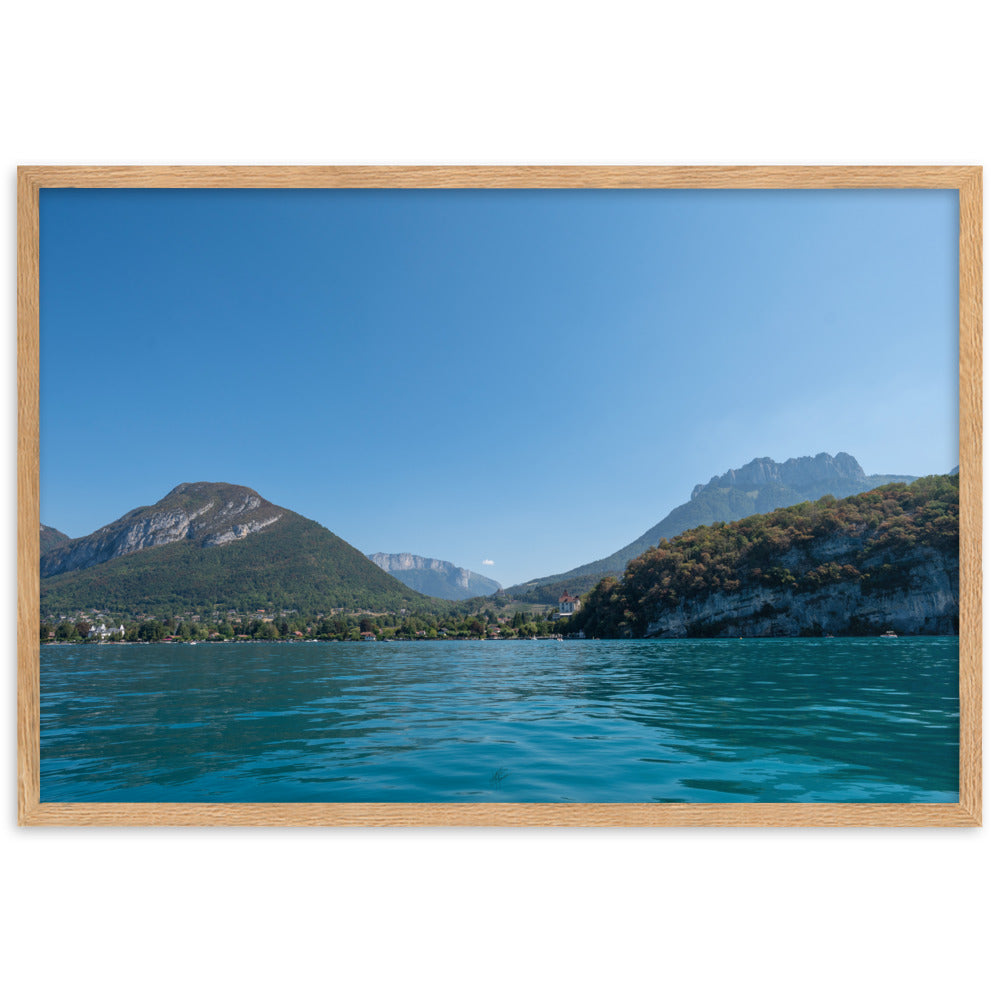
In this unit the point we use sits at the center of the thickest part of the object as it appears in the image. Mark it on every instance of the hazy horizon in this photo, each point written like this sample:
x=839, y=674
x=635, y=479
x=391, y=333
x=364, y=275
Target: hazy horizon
x=517, y=382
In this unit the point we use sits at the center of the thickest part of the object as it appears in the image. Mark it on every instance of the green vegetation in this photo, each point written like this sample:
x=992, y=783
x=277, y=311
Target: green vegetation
x=290, y=578
x=456, y=622
x=874, y=539
x=296, y=580
x=296, y=563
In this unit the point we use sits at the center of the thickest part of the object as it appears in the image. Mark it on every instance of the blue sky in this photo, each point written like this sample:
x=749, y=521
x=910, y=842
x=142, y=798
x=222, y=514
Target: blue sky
x=515, y=381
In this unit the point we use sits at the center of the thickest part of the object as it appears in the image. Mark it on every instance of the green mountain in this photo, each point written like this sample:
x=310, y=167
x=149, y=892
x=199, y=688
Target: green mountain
x=760, y=486
x=885, y=559
x=51, y=539
x=215, y=546
x=435, y=577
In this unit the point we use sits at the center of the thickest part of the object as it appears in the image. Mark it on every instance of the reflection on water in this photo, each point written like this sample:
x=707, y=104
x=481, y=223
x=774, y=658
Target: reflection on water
x=770, y=720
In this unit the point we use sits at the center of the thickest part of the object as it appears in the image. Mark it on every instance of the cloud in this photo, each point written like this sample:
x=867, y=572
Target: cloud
x=487, y=562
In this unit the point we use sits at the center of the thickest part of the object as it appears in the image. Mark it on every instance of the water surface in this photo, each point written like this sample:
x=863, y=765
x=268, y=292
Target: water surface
x=766, y=720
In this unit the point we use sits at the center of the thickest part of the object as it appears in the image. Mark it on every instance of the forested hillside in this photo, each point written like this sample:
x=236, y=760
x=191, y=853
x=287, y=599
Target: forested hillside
x=886, y=558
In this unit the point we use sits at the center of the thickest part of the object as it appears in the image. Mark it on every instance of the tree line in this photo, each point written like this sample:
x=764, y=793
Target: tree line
x=461, y=623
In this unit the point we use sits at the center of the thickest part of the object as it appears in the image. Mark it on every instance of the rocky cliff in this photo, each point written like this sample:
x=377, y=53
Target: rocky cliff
x=925, y=603
x=434, y=577
x=208, y=514
x=831, y=473
x=883, y=559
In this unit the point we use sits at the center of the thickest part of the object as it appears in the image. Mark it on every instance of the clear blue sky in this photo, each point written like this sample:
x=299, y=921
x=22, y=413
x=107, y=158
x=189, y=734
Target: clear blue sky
x=533, y=378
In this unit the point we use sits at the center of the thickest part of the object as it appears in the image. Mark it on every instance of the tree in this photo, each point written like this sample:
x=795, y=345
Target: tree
x=66, y=632
x=152, y=631
x=266, y=630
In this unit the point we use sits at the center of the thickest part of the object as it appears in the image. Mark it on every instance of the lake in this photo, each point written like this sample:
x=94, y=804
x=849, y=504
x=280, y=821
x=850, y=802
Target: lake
x=688, y=720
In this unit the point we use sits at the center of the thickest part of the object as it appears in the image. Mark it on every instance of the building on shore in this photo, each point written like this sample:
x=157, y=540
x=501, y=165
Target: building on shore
x=568, y=605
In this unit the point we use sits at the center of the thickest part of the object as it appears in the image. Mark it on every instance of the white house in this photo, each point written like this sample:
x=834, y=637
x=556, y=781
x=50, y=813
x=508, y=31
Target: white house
x=102, y=632
x=568, y=605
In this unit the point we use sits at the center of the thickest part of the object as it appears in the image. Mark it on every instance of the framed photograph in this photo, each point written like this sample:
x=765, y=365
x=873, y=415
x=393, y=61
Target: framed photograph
x=500, y=496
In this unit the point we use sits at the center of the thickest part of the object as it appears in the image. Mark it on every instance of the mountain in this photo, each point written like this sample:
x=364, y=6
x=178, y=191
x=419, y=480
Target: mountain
x=435, y=577
x=208, y=546
x=760, y=486
x=206, y=513
x=51, y=539
x=886, y=559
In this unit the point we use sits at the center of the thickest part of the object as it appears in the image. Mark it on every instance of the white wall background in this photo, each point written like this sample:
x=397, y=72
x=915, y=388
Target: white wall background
x=254, y=913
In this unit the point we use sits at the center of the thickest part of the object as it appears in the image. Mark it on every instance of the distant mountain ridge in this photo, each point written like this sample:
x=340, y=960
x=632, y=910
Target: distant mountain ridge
x=760, y=486
x=435, y=577
x=801, y=474
x=215, y=545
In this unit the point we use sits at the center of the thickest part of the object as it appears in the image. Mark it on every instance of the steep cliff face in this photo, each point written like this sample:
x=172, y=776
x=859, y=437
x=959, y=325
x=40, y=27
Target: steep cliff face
x=797, y=474
x=434, y=577
x=925, y=604
x=397, y=562
x=209, y=514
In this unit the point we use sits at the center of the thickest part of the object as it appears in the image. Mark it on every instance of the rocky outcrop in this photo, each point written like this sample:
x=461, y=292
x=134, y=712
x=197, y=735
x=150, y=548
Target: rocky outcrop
x=397, y=562
x=926, y=603
x=208, y=514
x=434, y=577
x=801, y=474
x=238, y=531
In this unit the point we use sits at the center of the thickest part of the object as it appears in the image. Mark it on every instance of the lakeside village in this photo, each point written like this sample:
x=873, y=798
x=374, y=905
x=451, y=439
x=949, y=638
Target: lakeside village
x=489, y=621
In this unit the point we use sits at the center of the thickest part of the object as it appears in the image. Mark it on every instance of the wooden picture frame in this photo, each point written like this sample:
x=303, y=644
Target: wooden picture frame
x=967, y=180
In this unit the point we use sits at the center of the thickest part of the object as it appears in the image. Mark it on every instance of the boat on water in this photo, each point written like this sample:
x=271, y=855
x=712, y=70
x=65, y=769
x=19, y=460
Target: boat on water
x=888, y=634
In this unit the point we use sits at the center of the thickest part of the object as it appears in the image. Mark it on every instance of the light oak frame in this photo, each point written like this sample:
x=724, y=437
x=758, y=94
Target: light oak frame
x=966, y=812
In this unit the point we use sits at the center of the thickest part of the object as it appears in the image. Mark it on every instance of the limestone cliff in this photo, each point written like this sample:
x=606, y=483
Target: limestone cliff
x=209, y=514
x=434, y=577
x=925, y=604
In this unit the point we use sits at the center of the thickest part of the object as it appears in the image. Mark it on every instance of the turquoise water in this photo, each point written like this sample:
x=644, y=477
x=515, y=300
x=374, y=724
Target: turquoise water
x=766, y=720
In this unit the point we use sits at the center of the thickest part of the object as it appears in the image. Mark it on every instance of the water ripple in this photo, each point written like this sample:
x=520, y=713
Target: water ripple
x=836, y=720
